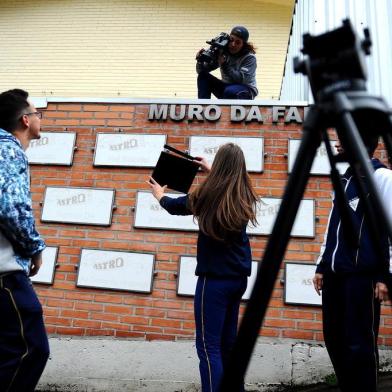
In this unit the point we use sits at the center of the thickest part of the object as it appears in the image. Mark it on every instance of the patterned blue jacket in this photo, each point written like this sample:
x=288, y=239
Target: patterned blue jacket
x=19, y=240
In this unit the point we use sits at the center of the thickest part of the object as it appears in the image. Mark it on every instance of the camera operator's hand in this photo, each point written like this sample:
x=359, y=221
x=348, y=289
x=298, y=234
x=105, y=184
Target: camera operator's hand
x=221, y=59
x=199, y=53
x=318, y=282
x=381, y=292
x=157, y=190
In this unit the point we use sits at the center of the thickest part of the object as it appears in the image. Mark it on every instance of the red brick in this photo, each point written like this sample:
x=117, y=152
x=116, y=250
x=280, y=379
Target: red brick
x=161, y=314
x=95, y=108
x=301, y=335
x=70, y=331
x=117, y=309
x=69, y=107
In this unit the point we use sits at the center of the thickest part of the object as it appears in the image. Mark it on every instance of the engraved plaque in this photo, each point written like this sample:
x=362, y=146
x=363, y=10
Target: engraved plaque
x=53, y=148
x=116, y=270
x=149, y=214
x=46, y=272
x=127, y=149
x=207, y=147
x=321, y=164
x=251, y=280
x=89, y=206
x=298, y=286
x=187, y=280
x=267, y=211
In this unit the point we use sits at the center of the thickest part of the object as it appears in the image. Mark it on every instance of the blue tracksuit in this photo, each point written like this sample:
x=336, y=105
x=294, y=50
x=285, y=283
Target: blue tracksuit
x=351, y=314
x=223, y=268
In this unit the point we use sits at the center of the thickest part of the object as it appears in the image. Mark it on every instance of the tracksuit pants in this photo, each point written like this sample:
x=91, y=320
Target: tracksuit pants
x=351, y=317
x=217, y=303
x=24, y=347
x=207, y=84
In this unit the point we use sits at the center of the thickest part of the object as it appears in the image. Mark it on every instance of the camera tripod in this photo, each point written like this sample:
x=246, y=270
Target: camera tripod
x=345, y=106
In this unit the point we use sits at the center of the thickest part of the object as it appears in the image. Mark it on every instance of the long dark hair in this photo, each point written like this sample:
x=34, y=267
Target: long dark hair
x=249, y=48
x=226, y=201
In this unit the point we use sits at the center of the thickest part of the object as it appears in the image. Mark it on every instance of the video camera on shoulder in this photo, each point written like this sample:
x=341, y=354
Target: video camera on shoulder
x=217, y=46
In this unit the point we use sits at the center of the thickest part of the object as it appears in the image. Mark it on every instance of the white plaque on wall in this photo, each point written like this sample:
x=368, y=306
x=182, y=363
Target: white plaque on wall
x=298, y=285
x=321, y=164
x=89, y=206
x=207, y=147
x=187, y=280
x=128, y=149
x=267, y=211
x=53, y=148
x=149, y=214
x=46, y=272
x=116, y=270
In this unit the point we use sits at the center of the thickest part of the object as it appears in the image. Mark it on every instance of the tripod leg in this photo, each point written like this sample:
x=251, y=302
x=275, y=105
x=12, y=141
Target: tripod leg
x=269, y=267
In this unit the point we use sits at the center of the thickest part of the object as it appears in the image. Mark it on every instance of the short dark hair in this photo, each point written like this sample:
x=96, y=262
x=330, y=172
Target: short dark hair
x=12, y=104
x=371, y=142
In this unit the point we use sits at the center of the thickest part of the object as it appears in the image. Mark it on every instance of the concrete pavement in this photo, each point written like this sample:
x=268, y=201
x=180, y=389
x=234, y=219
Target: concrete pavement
x=121, y=365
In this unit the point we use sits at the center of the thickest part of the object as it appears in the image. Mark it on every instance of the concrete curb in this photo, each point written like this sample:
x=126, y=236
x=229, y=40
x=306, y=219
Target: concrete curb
x=98, y=365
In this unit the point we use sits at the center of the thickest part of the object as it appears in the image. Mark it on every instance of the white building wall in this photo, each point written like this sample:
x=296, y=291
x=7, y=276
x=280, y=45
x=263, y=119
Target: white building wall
x=318, y=16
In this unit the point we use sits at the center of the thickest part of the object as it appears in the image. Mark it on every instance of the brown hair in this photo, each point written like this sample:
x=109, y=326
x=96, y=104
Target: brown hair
x=226, y=201
x=249, y=47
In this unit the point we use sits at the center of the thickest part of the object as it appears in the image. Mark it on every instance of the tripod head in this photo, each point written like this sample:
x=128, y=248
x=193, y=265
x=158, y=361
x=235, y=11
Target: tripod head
x=335, y=61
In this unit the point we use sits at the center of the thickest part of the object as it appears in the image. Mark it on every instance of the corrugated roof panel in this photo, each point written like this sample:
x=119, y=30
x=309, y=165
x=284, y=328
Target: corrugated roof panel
x=318, y=16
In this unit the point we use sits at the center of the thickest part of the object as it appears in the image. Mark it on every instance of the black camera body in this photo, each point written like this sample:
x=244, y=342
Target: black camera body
x=218, y=45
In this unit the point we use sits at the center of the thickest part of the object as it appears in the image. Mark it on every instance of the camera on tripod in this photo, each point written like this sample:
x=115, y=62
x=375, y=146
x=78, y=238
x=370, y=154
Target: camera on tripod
x=335, y=60
x=218, y=45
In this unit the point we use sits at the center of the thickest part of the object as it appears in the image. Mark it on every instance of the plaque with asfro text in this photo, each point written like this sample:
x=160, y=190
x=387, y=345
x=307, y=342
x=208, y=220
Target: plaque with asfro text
x=45, y=274
x=321, y=165
x=298, y=285
x=207, y=147
x=127, y=149
x=88, y=206
x=53, y=148
x=267, y=211
x=187, y=280
x=116, y=270
x=149, y=214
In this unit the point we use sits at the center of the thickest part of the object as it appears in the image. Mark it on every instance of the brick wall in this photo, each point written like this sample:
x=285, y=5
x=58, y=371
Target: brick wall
x=70, y=310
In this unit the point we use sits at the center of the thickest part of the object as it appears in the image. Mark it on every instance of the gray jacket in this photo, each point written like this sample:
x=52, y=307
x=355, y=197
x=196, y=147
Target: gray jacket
x=236, y=70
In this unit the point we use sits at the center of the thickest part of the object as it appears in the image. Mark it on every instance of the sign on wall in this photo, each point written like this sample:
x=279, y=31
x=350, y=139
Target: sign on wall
x=53, y=148
x=116, y=270
x=321, y=164
x=149, y=214
x=187, y=280
x=267, y=211
x=46, y=272
x=88, y=206
x=126, y=149
x=207, y=147
x=298, y=286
